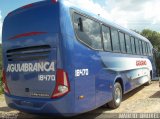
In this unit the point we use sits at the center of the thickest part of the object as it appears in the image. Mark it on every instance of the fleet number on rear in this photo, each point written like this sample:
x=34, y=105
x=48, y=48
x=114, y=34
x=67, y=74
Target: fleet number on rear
x=81, y=72
x=46, y=77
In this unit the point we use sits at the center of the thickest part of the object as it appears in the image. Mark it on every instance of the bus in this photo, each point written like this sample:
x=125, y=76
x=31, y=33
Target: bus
x=63, y=60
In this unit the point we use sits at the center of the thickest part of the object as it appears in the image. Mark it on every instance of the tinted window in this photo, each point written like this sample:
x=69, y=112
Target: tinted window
x=140, y=46
x=115, y=40
x=128, y=43
x=149, y=49
x=122, y=42
x=106, y=38
x=133, y=45
x=137, y=46
x=88, y=31
x=144, y=47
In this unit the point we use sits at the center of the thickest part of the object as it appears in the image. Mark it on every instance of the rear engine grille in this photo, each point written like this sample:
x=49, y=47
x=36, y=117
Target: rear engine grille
x=29, y=53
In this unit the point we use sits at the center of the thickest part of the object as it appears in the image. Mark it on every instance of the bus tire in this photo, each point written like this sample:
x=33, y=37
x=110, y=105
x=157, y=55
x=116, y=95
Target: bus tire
x=117, y=96
x=150, y=81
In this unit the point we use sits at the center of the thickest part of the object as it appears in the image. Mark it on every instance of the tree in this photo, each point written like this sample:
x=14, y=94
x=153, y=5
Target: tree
x=153, y=36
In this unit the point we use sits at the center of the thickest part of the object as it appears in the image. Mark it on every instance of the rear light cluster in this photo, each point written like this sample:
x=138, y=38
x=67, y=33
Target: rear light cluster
x=62, y=84
x=54, y=1
x=4, y=82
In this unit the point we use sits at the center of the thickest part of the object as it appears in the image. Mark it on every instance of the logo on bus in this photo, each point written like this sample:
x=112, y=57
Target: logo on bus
x=141, y=62
x=31, y=67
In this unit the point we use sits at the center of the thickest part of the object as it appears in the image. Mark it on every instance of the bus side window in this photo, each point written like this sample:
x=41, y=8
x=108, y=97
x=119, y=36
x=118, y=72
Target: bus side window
x=137, y=46
x=147, y=52
x=128, y=44
x=122, y=42
x=115, y=40
x=149, y=49
x=144, y=48
x=133, y=45
x=88, y=31
x=106, y=38
x=80, y=24
x=140, y=46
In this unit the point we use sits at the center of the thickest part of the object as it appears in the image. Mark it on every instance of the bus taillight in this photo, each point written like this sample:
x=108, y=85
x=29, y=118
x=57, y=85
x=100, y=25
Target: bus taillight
x=54, y=1
x=4, y=81
x=62, y=84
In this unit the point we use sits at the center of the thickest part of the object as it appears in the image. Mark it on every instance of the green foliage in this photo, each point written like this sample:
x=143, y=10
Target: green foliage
x=153, y=36
x=0, y=56
x=1, y=90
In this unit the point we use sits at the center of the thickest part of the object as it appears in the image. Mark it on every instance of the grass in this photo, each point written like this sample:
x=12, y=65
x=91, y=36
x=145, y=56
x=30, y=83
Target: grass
x=1, y=89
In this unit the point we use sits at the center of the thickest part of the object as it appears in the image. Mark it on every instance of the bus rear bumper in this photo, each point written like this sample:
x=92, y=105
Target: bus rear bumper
x=38, y=106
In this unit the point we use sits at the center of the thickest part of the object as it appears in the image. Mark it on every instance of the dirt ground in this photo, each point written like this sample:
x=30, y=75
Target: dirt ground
x=145, y=99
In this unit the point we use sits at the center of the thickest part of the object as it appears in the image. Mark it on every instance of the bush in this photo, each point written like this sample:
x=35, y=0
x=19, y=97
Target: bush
x=1, y=89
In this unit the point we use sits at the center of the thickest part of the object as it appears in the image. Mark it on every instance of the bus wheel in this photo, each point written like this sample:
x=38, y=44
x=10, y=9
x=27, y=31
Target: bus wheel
x=117, y=96
x=149, y=82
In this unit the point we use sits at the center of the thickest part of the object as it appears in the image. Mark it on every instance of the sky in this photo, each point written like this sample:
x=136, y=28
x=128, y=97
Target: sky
x=132, y=14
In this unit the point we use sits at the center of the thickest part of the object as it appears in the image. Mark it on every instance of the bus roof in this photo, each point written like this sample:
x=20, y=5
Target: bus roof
x=103, y=20
x=108, y=22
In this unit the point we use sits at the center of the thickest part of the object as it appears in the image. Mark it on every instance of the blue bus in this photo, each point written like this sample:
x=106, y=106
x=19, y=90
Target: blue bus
x=61, y=59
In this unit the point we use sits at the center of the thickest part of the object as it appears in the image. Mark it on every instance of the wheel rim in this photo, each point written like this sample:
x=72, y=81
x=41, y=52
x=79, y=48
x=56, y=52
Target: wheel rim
x=118, y=95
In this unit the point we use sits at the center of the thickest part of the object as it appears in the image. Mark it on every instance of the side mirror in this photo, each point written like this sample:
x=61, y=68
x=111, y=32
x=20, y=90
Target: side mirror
x=80, y=24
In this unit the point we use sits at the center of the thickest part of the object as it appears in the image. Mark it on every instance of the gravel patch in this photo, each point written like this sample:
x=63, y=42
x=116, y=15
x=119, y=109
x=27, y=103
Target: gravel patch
x=145, y=99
